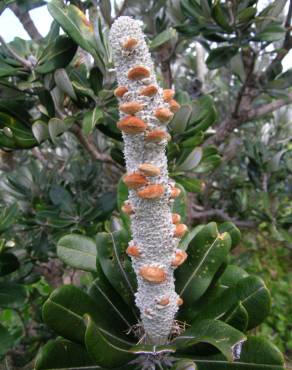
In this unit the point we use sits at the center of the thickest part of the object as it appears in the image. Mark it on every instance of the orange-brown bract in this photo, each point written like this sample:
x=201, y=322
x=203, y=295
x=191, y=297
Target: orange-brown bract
x=157, y=136
x=127, y=208
x=138, y=73
x=164, y=301
x=130, y=44
x=180, y=257
x=153, y=191
x=180, y=230
x=179, y=301
x=163, y=114
x=133, y=251
x=148, y=90
x=120, y=91
x=175, y=192
x=176, y=218
x=174, y=106
x=153, y=274
x=168, y=94
x=131, y=107
x=149, y=169
x=135, y=180
x=132, y=125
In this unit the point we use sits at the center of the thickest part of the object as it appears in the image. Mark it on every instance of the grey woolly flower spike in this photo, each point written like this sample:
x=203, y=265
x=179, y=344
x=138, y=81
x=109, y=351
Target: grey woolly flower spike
x=145, y=109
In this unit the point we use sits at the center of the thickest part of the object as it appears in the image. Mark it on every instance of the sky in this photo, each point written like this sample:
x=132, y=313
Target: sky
x=10, y=26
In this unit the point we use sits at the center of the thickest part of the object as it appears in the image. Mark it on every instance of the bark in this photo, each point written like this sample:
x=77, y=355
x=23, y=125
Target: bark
x=151, y=223
x=27, y=22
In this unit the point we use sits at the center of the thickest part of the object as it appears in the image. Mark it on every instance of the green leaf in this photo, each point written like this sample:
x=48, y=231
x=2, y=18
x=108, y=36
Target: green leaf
x=6, y=341
x=8, y=263
x=75, y=23
x=96, y=79
x=8, y=217
x=63, y=82
x=232, y=275
x=116, y=265
x=40, y=130
x=220, y=335
x=185, y=365
x=12, y=295
x=78, y=251
x=192, y=161
x=57, y=127
x=123, y=194
x=206, y=252
x=232, y=230
x=250, y=292
x=106, y=349
x=57, y=55
x=90, y=119
x=181, y=118
x=190, y=184
x=64, y=310
x=61, y=354
x=163, y=37
x=221, y=17
x=108, y=300
x=257, y=354
x=221, y=56
x=273, y=32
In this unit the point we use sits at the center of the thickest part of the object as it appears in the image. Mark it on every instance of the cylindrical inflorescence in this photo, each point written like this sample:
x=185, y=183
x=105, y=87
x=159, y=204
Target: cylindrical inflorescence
x=145, y=110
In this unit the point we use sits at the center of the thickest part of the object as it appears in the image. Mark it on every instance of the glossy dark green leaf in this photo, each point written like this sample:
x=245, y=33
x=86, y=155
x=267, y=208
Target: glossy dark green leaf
x=232, y=230
x=61, y=354
x=108, y=300
x=165, y=36
x=192, y=161
x=273, y=32
x=220, y=16
x=78, y=251
x=8, y=263
x=190, y=184
x=256, y=354
x=96, y=79
x=57, y=55
x=237, y=318
x=220, y=335
x=232, y=275
x=75, y=23
x=181, y=118
x=90, y=119
x=63, y=82
x=12, y=295
x=206, y=252
x=64, y=310
x=220, y=56
x=185, y=365
x=106, y=349
x=250, y=292
x=116, y=265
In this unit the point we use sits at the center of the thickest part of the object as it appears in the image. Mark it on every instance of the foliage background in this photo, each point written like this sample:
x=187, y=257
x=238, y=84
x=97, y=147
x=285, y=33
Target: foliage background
x=60, y=171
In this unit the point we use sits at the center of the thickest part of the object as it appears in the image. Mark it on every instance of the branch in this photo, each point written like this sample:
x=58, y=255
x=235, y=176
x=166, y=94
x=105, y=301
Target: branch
x=90, y=147
x=268, y=108
x=17, y=57
x=219, y=213
x=122, y=10
x=27, y=22
x=230, y=123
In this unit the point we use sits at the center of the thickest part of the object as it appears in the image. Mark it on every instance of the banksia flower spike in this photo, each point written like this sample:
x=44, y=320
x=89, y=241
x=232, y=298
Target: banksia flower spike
x=144, y=107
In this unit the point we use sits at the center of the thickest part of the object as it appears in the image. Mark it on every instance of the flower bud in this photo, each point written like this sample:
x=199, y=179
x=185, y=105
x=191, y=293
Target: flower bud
x=135, y=180
x=148, y=90
x=180, y=230
x=120, y=91
x=131, y=107
x=138, y=73
x=149, y=169
x=153, y=274
x=168, y=94
x=163, y=114
x=153, y=191
x=179, y=259
x=130, y=44
x=132, y=125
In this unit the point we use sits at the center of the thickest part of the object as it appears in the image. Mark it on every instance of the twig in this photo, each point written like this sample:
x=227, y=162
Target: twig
x=219, y=213
x=21, y=60
x=27, y=22
x=268, y=108
x=90, y=147
x=121, y=11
